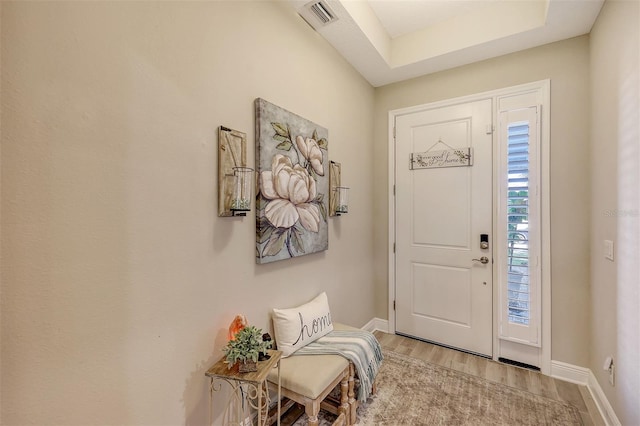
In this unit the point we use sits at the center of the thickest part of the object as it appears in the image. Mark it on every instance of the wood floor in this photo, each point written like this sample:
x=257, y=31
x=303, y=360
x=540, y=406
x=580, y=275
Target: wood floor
x=517, y=377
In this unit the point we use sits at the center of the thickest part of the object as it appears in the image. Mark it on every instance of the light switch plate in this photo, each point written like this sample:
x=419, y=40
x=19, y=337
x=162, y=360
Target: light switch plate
x=608, y=249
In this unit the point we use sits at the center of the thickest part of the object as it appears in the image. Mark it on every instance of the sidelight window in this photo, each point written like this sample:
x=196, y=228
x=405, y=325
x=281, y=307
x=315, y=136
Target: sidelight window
x=518, y=295
x=519, y=226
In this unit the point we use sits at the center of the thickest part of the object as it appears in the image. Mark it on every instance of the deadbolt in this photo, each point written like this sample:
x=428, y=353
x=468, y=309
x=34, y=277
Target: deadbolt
x=484, y=241
x=484, y=260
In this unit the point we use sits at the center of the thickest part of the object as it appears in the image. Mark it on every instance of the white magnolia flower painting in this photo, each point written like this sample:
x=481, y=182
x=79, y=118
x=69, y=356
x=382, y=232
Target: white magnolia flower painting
x=291, y=200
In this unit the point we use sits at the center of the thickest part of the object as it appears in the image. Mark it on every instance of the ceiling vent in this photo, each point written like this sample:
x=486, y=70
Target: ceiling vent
x=321, y=12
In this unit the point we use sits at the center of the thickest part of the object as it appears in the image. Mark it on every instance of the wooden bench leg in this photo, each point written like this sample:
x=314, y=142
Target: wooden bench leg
x=311, y=409
x=340, y=421
x=344, y=397
x=353, y=402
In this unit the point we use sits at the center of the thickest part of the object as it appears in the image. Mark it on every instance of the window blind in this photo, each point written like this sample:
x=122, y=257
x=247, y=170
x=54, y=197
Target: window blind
x=518, y=295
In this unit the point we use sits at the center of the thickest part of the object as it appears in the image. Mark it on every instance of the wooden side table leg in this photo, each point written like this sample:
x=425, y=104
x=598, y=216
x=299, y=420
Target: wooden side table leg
x=279, y=392
x=264, y=410
x=210, y=400
x=260, y=403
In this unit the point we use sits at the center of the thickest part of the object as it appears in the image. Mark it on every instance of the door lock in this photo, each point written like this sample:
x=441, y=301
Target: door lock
x=484, y=260
x=484, y=241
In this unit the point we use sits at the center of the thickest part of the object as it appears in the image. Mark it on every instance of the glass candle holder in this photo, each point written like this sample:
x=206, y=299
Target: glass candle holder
x=342, y=199
x=241, y=197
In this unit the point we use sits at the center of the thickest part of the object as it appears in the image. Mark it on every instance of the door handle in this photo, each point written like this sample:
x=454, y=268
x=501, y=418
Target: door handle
x=484, y=260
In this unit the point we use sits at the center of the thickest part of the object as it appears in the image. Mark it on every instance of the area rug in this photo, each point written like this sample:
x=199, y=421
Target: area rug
x=416, y=392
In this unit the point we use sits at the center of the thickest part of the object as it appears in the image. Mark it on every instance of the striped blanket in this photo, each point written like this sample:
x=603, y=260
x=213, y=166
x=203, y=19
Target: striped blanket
x=359, y=347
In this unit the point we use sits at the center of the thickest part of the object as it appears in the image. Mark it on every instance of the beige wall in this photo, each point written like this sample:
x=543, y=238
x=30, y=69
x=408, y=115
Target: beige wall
x=118, y=278
x=615, y=204
x=566, y=63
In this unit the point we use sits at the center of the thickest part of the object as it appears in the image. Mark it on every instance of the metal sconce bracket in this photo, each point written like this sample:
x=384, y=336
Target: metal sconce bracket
x=334, y=182
x=337, y=198
x=232, y=154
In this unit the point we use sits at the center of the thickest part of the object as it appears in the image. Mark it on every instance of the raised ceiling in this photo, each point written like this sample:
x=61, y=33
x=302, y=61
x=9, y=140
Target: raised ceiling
x=393, y=40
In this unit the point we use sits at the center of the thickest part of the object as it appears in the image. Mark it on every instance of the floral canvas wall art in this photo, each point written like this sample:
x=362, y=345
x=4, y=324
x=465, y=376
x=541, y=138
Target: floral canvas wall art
x=293, y=183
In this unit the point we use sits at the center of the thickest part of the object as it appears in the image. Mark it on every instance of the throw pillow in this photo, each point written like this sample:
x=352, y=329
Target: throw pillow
x=297, y=327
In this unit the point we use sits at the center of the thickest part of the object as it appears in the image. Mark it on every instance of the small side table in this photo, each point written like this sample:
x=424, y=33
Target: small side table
x=257, y=390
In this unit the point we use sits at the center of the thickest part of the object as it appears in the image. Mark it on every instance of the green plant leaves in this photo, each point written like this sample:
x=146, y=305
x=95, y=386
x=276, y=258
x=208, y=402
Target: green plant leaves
x=246, y=346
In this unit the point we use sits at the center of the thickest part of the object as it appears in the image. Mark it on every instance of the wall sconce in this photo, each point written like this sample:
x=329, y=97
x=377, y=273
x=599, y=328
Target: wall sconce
x=235, y=179
x=339, y=199
x=241, y=196
x=342, y=196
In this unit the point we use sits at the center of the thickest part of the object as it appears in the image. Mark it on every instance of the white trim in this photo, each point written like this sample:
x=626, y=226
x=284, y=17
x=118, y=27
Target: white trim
x=376, y=324
x=570, y=373
x=585, y=377
x=391, y=240
x=608, y=415
x=545, y=218
x=545, y=87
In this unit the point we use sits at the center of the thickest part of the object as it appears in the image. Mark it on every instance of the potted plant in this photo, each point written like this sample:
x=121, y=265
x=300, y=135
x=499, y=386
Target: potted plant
x=246, y=348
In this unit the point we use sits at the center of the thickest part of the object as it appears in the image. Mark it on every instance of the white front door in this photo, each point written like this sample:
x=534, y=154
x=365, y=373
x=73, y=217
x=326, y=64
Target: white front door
x=443, y=289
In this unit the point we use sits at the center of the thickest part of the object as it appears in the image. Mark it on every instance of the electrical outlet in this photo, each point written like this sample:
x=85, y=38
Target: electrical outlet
x=608, y=249
x=610, y=367
x=612, y=375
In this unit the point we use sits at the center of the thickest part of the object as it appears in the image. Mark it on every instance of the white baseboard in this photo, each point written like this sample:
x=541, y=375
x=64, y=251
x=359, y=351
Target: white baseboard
x=570, y=373
x=602, y=402
x=584, y=376
x=377, y=324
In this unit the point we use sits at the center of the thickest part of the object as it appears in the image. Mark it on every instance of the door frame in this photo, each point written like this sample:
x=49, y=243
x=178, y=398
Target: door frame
x=544, y=87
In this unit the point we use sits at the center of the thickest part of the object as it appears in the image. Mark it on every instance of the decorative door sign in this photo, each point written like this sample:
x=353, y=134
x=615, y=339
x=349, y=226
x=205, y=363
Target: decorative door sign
x=447, y=158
